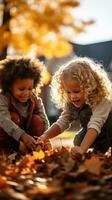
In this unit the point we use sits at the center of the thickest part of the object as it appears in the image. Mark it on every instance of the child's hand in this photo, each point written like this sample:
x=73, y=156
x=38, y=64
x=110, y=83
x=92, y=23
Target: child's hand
x=76, y=152
x=28, y=140
x=22, y=148
x=38, y=140
x=42, y=138
x=45, y=144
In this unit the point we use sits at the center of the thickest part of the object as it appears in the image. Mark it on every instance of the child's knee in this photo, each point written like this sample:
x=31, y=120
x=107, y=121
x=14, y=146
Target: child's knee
x=37, y=125
x=15, y=118
x=36, y=119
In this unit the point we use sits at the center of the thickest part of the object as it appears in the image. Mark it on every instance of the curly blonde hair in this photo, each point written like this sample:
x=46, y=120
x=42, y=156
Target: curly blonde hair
x=92, y=78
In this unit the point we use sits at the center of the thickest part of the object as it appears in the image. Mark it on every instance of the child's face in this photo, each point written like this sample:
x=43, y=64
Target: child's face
x=74, y=92
x=22, y=89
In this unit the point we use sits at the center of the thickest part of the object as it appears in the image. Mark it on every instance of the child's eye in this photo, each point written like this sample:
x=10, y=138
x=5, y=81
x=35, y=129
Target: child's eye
x=30, y=89
x=76, y=92
x=21, y=89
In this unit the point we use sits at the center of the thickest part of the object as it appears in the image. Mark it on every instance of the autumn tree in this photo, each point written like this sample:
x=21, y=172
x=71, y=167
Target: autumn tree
x=38, y=26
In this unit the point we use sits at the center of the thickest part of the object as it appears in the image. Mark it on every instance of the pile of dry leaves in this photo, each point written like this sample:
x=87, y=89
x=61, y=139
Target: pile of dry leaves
x=54, y=175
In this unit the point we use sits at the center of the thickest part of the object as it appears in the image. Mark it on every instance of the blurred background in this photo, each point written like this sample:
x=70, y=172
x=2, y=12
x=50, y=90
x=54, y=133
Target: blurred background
x=94, y=42
x=56, y=32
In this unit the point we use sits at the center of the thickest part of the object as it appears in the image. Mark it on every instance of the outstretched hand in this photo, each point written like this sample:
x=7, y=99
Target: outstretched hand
x=43, y=138
x=46, y=145
x=76, y=152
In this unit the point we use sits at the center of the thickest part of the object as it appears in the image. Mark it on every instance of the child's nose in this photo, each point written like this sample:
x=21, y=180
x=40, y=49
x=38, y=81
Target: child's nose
x=27, y=93
x=73, y=96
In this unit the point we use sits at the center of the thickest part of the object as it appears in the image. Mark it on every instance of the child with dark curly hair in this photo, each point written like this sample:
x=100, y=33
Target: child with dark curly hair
x=22, y=114
x=82, y=89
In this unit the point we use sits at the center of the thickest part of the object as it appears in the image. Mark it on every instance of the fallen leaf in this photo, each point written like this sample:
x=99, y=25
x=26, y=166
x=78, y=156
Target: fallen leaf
x=39, y=155
x=93, y=165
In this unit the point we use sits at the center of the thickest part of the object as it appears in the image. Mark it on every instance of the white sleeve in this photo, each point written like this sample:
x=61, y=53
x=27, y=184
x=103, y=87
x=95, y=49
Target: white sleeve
x=66, y=118
x=99, y=115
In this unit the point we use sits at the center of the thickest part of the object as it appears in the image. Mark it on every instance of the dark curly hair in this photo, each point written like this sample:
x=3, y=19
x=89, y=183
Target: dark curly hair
x=18, y=67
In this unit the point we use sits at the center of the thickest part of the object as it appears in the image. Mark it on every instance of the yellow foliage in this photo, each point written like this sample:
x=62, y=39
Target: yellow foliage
x=66, y=134
x=35, y=23
x=39, y=155
x=57, y=48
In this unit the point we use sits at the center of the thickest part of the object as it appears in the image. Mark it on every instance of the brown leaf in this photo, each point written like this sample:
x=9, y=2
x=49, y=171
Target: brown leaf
x=3, y=182
x=93, y=165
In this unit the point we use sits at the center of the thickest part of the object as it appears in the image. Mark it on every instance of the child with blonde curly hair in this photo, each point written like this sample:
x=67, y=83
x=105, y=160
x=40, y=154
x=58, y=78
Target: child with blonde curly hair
x=82, y=89
x=22, y=114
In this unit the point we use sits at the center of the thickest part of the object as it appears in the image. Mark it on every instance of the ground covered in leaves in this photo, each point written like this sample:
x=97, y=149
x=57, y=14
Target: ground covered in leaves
x=54, y=175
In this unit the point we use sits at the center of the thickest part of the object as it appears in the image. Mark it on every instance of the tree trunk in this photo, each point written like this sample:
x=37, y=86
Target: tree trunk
x=5, y=20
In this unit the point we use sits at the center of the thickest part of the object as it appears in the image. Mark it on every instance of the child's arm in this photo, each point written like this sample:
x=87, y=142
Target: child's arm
x=63, y=122
x=88, y=140
x=60, y=125
x=98, y=118
x=53, y=131
x=86, y=143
